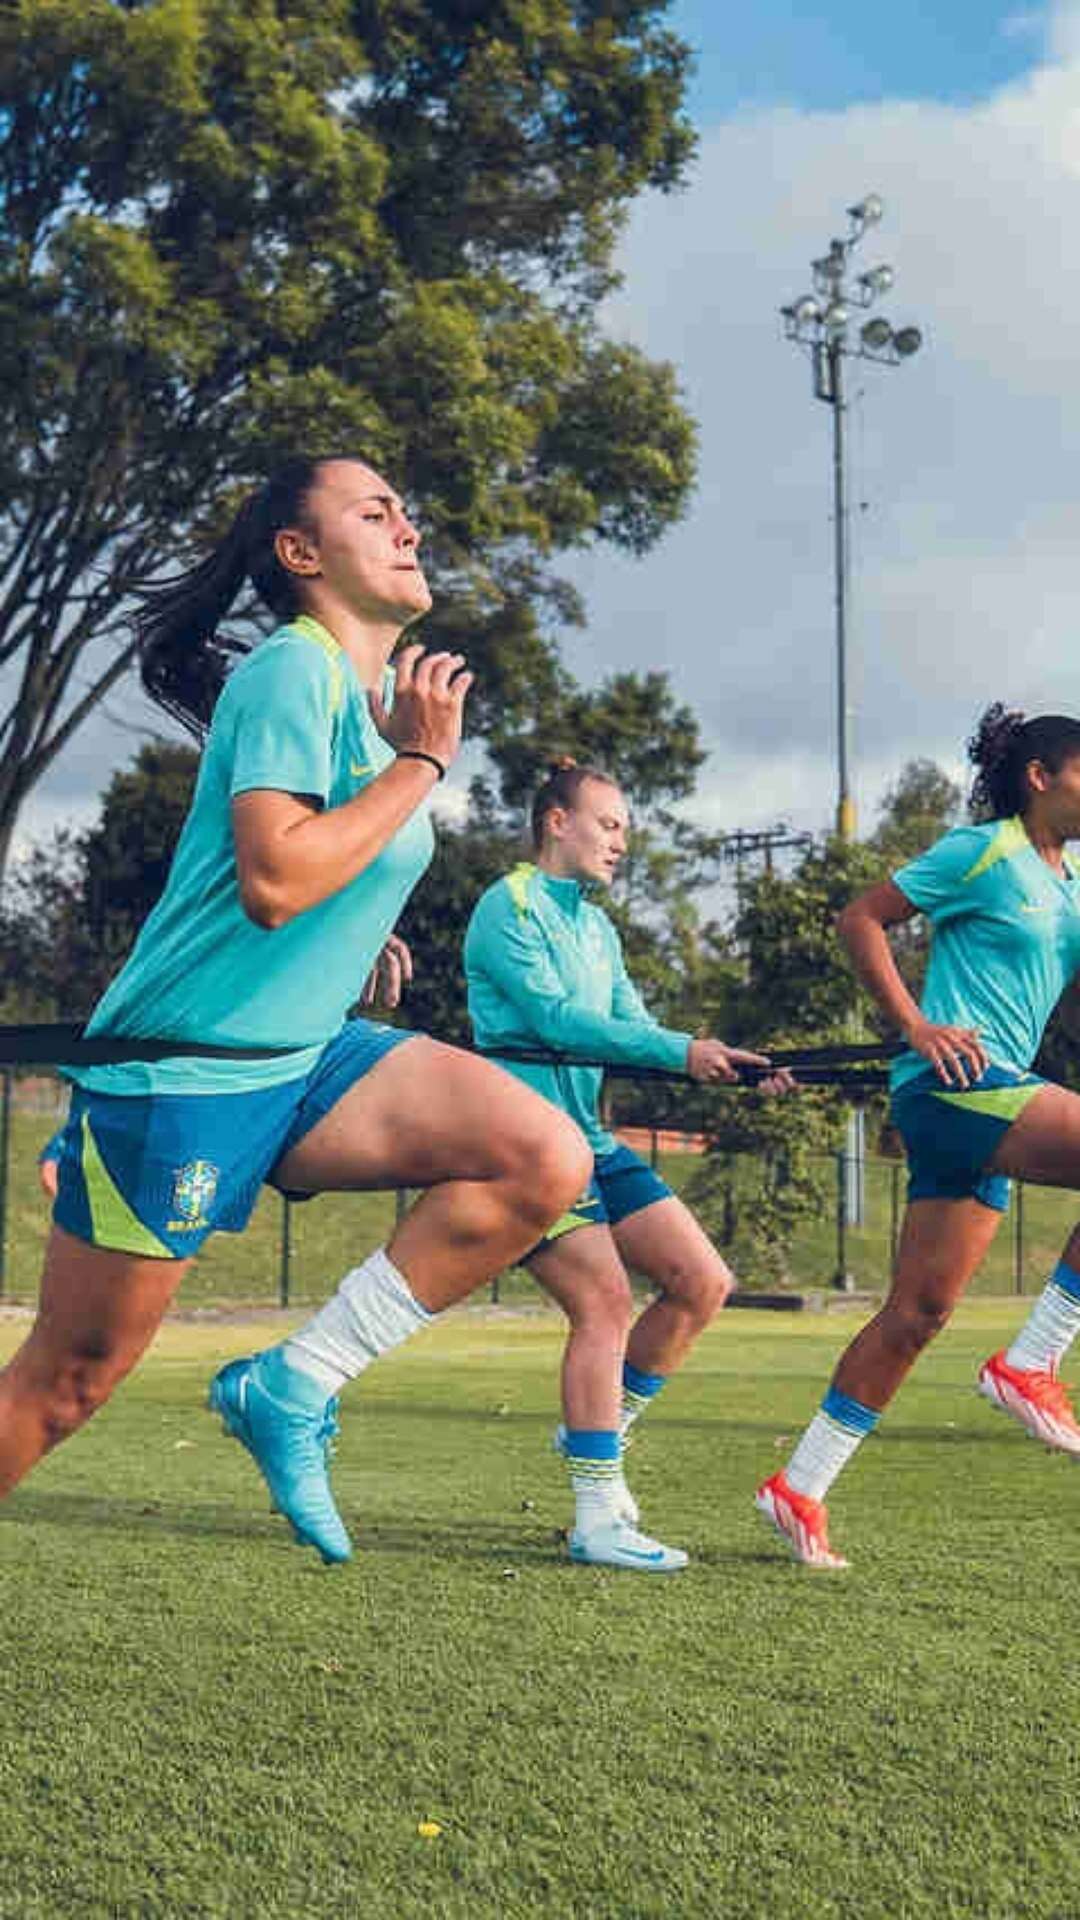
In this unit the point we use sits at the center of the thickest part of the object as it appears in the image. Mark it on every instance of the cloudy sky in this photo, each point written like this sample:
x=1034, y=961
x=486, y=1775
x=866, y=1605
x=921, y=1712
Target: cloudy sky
x=966, y=563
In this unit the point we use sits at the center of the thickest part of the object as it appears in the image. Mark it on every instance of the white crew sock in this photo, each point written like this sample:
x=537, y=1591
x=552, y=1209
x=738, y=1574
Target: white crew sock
x=373, y=1310
x=1051, y=1326
x=837, y=1428
x=594, y=1458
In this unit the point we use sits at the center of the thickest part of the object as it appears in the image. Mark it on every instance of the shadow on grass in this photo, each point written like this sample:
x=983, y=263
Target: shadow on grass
x=447, y=1540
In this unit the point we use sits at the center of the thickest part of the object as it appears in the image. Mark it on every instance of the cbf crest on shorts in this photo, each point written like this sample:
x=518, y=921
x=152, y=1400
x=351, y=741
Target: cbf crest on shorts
x=193, y=1194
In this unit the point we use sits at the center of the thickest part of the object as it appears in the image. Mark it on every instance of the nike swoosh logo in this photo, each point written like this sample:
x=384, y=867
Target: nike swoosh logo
x=1029, y=909
x=635, y=1553
x=356, y=769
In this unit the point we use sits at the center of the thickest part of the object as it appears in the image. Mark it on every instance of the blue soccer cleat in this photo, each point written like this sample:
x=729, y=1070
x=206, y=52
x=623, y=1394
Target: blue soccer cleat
x=289, y=1441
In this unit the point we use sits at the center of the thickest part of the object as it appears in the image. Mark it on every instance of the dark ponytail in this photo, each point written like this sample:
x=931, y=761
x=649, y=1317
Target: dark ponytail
x=562, y=784
x=183, y=659
x=1003, y=746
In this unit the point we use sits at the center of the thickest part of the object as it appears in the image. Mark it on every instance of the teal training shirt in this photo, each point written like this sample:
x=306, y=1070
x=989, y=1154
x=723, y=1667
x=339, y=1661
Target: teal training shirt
x=1006, y=938
x=545, y=968
x=294, y=717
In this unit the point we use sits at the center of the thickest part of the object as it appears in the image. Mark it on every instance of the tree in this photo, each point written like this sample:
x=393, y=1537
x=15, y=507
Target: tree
x=76, y=905
x=384, y=225
x=768, y=1165
x=922, y=805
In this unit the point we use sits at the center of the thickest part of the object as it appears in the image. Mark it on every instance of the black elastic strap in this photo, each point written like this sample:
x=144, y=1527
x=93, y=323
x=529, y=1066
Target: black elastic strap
x=58, y=1044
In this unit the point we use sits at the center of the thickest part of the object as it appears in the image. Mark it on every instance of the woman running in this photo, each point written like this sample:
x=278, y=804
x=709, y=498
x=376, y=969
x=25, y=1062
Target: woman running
x=545, y=970
x=307, y=832
x=1003, y=899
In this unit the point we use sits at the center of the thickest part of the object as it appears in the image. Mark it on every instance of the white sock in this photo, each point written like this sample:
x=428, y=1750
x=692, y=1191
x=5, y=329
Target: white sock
x=837, y=1428
x=593, y=1455
x=595, y=1502
x=373, y=1310
x=1051, y=1326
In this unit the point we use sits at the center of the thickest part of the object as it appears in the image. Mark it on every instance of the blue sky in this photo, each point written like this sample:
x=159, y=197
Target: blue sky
x=771, y=51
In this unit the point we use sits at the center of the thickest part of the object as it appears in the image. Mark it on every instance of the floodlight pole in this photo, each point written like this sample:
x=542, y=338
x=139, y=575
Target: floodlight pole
x=820, y=322
x=845, y=805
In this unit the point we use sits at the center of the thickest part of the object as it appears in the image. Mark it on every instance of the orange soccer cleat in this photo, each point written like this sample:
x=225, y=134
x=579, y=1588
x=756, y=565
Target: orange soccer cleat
x=1035, y=1397
x=800, y=1521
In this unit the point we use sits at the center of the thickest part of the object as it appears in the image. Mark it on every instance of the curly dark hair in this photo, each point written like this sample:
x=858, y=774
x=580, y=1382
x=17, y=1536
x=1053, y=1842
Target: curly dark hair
x=1002, y=747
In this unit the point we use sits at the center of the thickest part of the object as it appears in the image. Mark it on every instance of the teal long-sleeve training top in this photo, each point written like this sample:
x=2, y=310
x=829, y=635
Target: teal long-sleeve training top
x=545, y=968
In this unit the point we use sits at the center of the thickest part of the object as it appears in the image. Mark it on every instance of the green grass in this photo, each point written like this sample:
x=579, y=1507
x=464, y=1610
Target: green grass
x=200, y=1721
x=333, y=1233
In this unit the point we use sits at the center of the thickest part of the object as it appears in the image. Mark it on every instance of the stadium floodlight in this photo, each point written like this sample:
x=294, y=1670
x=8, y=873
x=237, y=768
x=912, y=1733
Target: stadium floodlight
x=877, y=280
x=876, y=334
x=868, y=211
x=907, y=342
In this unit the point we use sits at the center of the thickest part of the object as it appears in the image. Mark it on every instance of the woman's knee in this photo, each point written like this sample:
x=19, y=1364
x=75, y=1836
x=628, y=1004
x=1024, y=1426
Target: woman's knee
x=604, y=1302
x=72, y=1387
x=909, y=1325
x=699, y=1287
x=549, y=1157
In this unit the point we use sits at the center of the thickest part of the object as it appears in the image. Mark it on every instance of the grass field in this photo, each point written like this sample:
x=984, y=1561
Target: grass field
x=198, y=1720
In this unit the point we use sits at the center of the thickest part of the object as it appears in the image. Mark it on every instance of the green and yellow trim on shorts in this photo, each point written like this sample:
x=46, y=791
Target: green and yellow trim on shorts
x=951, y=1133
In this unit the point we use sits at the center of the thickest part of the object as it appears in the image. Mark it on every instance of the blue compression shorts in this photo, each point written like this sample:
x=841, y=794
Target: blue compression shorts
x=155, y=1174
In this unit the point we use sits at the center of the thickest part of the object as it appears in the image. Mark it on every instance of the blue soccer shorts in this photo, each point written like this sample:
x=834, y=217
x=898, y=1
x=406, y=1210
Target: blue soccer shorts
x=622, y=1183
x=155, y=1174
x=951, y=1132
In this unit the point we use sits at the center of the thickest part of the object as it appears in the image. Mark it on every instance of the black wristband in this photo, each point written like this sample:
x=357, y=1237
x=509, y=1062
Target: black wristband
x=414, y=753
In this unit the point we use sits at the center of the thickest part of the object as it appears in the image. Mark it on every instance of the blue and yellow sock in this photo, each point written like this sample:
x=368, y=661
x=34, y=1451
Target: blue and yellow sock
x=593, y=1455
x=638, y=1389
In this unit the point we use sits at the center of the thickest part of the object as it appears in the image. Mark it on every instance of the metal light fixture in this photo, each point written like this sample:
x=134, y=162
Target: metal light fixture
x=877, y=280
x=907, y=342
x=868, y=211
x=876, y=334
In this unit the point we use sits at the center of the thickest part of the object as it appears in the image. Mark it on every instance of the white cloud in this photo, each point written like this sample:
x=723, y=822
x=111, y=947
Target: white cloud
x=966, y=581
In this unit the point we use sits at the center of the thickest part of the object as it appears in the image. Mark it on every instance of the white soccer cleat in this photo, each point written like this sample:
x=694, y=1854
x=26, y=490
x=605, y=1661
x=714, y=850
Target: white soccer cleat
x=623, y=1502
x=802, y=1523
x=1036, y=1398
x=617, y=1545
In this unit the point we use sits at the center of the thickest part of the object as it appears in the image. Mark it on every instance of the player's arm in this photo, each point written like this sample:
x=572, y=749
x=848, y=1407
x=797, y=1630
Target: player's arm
x=509, y=949
x=706, y=1059
x=292, y=852
x=512, y=952
x=862, y=926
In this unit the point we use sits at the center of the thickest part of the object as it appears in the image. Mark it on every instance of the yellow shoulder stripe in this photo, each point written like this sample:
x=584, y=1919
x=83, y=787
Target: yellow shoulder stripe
x=312, y=630
x=518, y=882
x=1010, y=837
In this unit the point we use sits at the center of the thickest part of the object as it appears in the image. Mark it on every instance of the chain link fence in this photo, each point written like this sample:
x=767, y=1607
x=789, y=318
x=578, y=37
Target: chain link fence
x=294, y=1253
